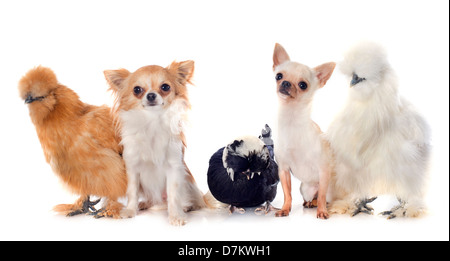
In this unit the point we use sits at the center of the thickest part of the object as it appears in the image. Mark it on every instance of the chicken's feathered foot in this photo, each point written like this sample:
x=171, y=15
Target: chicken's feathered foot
x=86, y=206
x=234, y=208
x=310, y=204
x=99, y=213
x=395, y=210
x=111, y=208
x=362, y=207
x=265, y=209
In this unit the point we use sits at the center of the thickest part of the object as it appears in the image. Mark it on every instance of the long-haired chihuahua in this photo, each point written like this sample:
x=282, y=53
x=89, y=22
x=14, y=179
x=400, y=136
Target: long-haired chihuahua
x=151, y=106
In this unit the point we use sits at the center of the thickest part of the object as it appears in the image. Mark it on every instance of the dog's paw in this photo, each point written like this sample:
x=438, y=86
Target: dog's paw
x=177, y=221
x=127, y=213
x=282, y=213
x=143, y=205
x=322, y=214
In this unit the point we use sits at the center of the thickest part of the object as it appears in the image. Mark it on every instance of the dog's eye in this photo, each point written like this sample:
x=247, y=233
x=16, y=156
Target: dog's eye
x=138, y=90
x=165, y=87
x=279, y=76
x=303, y=85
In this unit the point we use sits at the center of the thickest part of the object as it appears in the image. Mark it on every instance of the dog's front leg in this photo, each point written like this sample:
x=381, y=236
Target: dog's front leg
x=175, y=190
x=285, y=178
x=132, y=194
x=324, y=178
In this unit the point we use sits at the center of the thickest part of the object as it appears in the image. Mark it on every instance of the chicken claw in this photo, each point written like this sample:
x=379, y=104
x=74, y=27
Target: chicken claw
x=111, y=208
x=394, y=212
x=265, y=209
x=310, y=204
x=86, y=206
x=362, y=207
x=234, y=208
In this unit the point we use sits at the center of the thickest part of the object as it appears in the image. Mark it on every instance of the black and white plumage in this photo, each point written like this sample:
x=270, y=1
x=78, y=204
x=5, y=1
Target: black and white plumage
x=244, y=174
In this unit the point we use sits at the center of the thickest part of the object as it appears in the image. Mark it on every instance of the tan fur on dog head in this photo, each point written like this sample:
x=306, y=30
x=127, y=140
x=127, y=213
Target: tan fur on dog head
x=296, y=81
x=169, y=83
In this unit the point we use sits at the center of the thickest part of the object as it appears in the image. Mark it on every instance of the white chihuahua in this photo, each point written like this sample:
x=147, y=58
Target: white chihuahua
x=301, y=148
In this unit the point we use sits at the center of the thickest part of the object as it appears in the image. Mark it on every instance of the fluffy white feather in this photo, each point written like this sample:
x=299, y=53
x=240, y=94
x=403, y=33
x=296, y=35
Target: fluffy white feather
x=380, y=142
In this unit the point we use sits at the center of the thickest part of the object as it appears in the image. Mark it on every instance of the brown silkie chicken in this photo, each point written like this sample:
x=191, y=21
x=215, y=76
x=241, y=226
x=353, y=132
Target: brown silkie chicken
x=79, y=143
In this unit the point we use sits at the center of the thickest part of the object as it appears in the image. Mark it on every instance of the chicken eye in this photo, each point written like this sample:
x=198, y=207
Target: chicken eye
x=303, y=85
x=165, y=87
x=138, y=90
x=279, y=76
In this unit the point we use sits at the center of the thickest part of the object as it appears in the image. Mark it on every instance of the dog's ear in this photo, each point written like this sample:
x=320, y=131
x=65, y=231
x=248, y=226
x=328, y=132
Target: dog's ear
x=323, y=72
x=279, y=55
x=183, y=70
x=115, y=78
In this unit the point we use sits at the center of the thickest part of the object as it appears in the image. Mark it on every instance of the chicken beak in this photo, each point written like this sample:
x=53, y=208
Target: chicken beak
x=355, y=80
x=247, y=173
x=29, y=99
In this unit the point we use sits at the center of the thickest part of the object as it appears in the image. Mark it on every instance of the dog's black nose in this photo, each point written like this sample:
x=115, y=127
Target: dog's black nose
x=286, y=84
x=151, y=97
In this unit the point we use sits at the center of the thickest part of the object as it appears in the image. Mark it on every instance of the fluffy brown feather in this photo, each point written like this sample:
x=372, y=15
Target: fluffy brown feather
x=78, y=140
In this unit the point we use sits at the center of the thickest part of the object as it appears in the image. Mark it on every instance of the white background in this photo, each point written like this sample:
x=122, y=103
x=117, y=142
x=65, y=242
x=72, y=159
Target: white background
x=232, y=44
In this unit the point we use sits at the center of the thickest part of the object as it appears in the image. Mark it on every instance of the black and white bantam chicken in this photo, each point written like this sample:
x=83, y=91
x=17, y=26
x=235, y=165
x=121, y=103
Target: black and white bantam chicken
x=244, y=174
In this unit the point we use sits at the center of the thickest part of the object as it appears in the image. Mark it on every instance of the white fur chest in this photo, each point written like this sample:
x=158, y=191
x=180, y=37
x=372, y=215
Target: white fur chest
x=299, y=146
x=150, y=136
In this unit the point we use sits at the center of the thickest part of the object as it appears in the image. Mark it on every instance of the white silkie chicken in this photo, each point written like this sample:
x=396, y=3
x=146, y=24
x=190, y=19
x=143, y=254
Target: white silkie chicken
x=380, y=142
